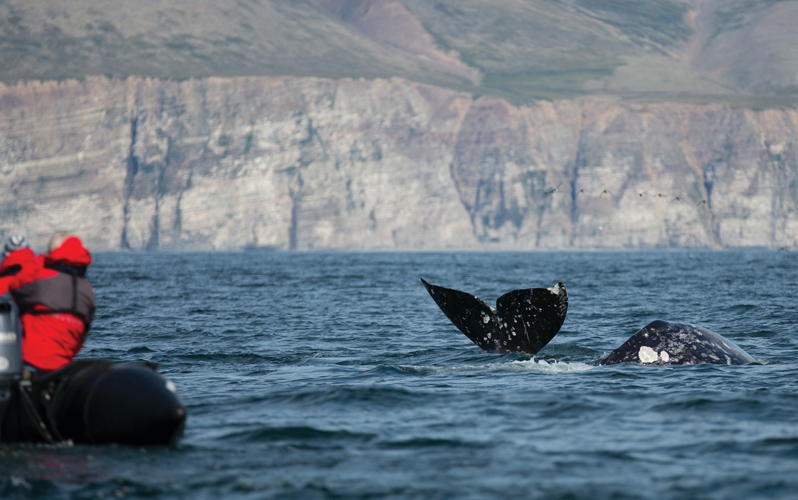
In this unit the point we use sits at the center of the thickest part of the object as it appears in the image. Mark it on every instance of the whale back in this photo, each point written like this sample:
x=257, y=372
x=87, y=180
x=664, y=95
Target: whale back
x=667, y=343
x=524, y=320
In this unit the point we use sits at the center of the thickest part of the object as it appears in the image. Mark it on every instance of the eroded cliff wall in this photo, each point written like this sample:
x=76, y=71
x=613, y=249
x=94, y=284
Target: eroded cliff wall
x=306, y=163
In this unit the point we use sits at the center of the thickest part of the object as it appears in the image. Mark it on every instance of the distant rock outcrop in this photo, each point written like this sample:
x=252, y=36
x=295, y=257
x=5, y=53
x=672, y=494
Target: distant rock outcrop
x=307, y=163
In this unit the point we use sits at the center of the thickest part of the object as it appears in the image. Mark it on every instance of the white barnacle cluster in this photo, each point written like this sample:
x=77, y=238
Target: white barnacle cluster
x=649, y=355
x=555, y=289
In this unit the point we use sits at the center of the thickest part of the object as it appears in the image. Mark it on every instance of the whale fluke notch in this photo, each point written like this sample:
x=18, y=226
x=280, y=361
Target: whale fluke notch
x=524, y=321
x=668, y=343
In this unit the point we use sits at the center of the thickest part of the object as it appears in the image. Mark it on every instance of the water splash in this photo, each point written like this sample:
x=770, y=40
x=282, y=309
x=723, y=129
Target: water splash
x=527, y=365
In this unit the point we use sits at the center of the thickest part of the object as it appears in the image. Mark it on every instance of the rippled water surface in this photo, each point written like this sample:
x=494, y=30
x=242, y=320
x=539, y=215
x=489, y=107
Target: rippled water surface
x=334, y=375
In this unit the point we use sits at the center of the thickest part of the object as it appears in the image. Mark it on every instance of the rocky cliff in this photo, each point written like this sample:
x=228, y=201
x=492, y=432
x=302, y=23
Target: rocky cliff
x=307, y=163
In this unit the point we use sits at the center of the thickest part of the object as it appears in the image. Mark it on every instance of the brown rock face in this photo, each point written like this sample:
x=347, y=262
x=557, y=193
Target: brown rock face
x=306, y=163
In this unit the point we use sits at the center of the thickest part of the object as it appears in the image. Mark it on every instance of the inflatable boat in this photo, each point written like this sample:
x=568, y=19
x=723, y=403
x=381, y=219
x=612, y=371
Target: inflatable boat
x=85, y=402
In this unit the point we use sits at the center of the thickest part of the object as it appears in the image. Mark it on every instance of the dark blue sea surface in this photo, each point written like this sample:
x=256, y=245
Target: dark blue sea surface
x=335, y=375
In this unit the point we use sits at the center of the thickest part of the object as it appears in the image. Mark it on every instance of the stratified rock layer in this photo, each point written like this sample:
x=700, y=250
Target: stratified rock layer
x=306, y=163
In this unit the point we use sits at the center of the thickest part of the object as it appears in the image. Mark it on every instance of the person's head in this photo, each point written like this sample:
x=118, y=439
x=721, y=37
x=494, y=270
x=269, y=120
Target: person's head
x=13, y=243
x=66, y=250
x=56, y=240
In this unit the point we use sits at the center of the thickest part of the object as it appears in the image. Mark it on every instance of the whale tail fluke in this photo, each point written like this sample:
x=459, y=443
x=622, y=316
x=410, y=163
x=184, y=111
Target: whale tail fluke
x=524, y=321
x=470, y=314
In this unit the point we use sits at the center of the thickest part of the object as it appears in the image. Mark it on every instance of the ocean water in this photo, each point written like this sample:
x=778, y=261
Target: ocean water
x=335, y=376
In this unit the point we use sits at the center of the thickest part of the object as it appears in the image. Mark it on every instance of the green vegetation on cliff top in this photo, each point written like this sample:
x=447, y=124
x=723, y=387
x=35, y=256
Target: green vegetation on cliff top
x=738, y=51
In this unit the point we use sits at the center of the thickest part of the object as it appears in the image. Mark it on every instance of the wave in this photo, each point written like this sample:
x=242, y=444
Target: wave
x=427, y=442
x=294, y=433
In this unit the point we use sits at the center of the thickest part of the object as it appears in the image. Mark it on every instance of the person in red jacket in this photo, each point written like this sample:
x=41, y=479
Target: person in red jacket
x=56, y=303
x=16, y=255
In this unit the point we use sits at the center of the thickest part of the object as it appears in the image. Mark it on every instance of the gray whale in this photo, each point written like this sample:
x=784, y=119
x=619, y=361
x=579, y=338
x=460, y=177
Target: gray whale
x=667, y=343
x=524, y=321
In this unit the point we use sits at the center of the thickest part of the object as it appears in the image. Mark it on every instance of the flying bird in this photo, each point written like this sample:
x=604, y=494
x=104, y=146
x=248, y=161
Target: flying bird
x=552, y=190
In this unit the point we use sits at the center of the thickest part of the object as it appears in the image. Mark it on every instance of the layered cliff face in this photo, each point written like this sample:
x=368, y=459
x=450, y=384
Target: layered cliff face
x=306, y=163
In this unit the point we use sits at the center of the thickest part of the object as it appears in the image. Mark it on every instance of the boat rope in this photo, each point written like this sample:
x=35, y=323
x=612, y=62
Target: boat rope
x=48, y=396
x=33, y=413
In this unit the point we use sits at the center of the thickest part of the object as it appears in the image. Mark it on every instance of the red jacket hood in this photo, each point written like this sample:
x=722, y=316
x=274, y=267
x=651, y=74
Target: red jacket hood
x=20, y=257
x=71, y=252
